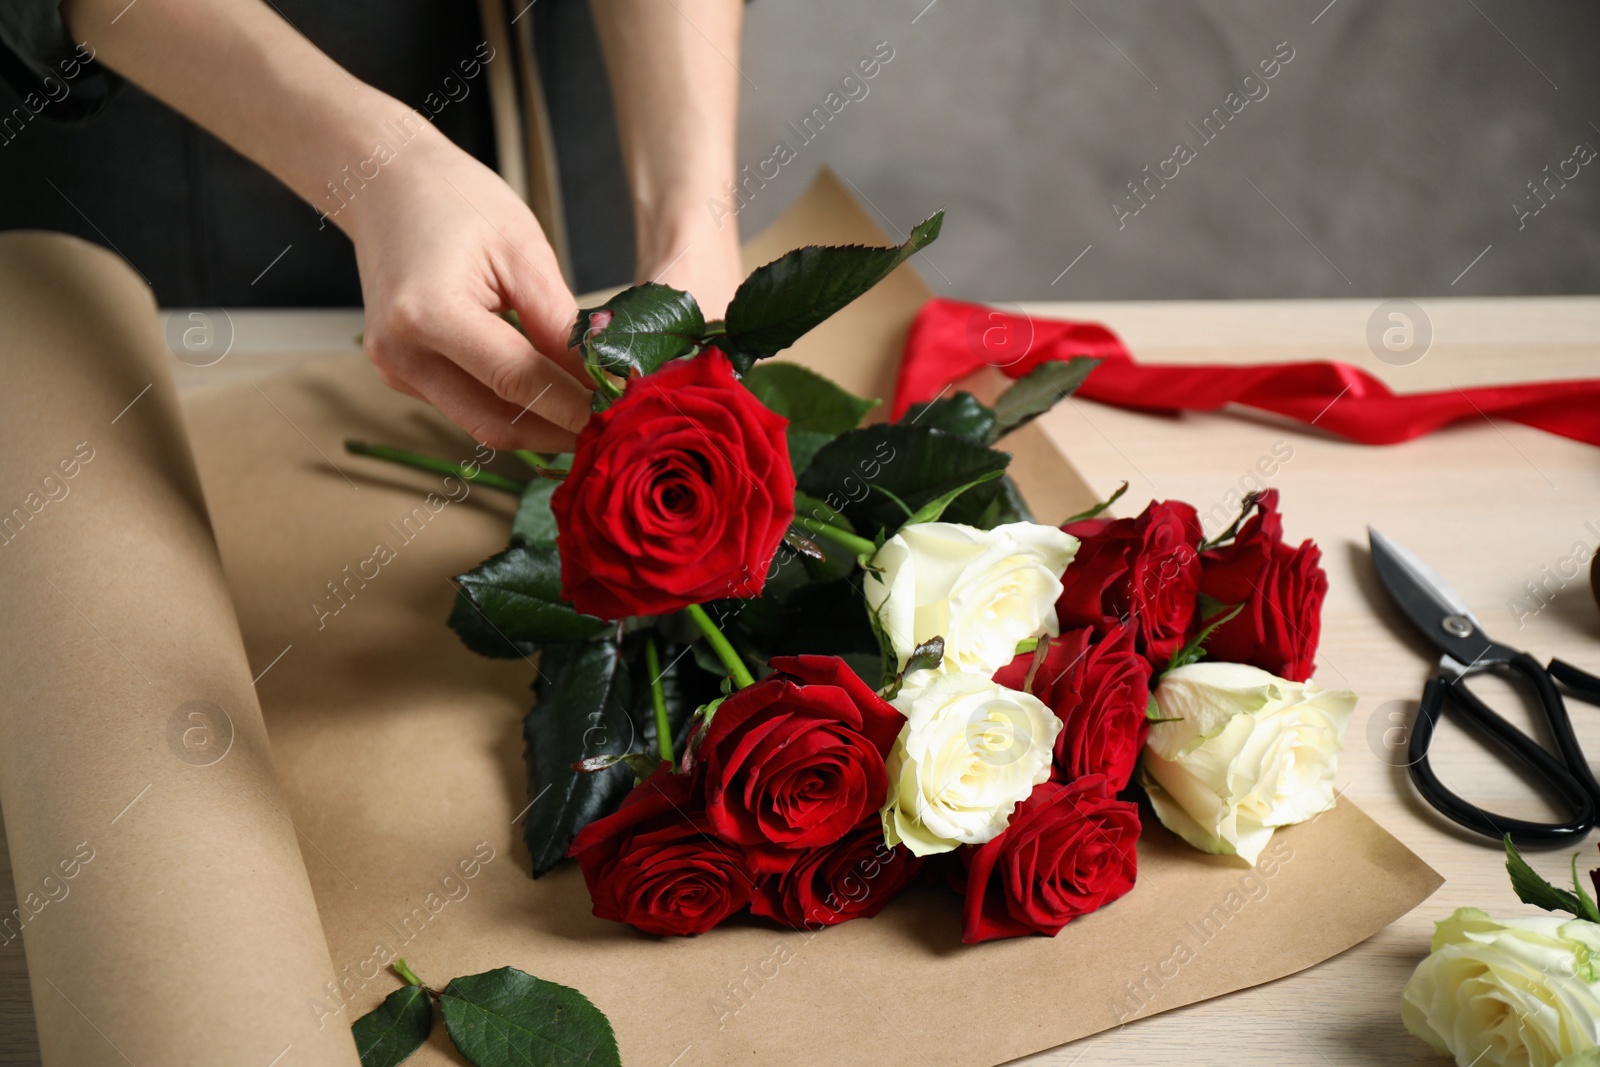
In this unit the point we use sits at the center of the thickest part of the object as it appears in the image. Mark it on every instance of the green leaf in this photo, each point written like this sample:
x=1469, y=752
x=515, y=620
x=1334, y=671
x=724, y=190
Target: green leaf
x=934, y=508
x=806, y=398
x=780, y=302
x=817, y=409
x=1007, y=506
x=963, y=415
x=511, y=602
x=649, y=325
x=1100, y=507
x=508, y=1018
x=827, y=618
x=1037, y=392
x=1531, y=887
x=1192, y=651
x=804, y=446
x=1588, y=909
x=535, y=523
x=917, y=464
x=593, y=700
x=581, y=711
x=926, y=656
x=395, y=1029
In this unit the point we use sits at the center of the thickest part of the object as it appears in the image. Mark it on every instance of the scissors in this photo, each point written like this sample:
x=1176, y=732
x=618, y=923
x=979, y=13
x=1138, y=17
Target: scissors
x=1444, y=618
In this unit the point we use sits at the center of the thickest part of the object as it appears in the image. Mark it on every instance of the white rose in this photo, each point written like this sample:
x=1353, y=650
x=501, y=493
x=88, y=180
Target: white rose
x=981, y=590
x=970, y=751
x=1508, y=991
x=1250, y=752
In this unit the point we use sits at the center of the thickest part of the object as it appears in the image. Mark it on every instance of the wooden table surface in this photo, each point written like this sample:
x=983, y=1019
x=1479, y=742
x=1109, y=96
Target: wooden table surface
x=1491, y=504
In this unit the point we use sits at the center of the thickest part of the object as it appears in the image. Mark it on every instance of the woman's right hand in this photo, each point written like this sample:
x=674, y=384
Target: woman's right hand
x=444, y=248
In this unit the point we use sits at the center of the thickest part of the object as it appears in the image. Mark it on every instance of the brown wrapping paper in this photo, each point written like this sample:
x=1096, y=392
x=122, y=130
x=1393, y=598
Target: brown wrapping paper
x=400, y=756
x=162, y=897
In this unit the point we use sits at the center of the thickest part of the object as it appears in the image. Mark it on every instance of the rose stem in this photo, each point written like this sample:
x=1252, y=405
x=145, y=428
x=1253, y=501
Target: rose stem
x=404, y=971
x=437, y=466
x=658, y=696
x=859, y=545
x=719, y=644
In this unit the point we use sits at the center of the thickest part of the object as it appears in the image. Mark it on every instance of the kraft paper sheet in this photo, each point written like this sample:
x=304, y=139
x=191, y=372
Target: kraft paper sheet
x=193, y=937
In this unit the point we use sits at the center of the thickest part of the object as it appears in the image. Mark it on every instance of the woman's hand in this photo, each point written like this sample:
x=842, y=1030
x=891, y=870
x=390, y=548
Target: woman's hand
x=444, y=247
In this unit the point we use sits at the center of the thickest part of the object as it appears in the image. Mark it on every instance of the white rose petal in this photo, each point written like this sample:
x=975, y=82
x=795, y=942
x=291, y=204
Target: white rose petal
x=983, y=591
x=970, y=751
x=1249, y=753
x=1508, y=991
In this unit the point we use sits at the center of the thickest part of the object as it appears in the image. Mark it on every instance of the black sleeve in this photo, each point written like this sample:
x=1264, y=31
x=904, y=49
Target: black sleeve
x=44, y=67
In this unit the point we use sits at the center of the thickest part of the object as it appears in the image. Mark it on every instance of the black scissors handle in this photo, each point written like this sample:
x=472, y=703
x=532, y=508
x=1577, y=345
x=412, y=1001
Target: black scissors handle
x=1580, y=682
x=1570, y=776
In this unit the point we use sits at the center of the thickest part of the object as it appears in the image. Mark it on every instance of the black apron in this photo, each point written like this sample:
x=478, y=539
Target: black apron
x=208, y=228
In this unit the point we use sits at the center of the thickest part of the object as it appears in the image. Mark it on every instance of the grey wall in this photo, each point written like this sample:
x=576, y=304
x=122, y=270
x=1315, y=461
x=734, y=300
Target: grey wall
x=1385, y=156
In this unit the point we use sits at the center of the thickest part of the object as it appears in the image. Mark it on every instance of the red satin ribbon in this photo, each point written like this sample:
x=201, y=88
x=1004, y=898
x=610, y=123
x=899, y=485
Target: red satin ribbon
x=950, y=340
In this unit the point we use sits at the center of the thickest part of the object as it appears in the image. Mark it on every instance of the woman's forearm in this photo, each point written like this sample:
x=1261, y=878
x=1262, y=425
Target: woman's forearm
x=676, y=88
x=443, y=245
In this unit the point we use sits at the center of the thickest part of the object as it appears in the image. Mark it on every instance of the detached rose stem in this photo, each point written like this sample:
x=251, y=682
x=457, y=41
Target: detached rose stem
x=658, y=697
x=437, y=466
x=720, y=645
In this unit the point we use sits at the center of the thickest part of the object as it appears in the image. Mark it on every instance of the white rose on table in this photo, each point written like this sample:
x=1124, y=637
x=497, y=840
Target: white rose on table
x=1509, y=991
x=1250, y=752
x=970, y=751
x=983, y=591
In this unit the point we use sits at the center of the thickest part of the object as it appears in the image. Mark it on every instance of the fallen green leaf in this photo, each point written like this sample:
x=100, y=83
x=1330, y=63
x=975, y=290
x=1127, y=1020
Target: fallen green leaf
x=508, y=1018
x=395, y=1029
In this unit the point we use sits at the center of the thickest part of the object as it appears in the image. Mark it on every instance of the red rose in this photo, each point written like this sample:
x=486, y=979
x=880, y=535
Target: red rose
x=850, y=879
x=679, y=493
x=1069, y=850
x=1145, y=571
x=1100, y=690
x=796, y=760
x=1281, y=588
x=654, y=865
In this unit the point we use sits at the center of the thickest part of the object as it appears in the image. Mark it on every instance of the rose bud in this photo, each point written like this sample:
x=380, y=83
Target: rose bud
x=1144, y=571
x=654, y=864
x=852, y=878
x=796, y=760
x=1100, y=690
x=1247, y=752
x=970, y=752
x=1281, y=590
x=679, y=493
x=1070, y=850
x=981, y=590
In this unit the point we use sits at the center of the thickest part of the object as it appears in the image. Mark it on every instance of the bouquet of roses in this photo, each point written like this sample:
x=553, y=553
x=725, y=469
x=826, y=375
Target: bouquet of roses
x=788, y=662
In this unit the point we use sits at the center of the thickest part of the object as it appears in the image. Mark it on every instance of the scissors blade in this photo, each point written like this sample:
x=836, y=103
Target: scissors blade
x=1431, y=603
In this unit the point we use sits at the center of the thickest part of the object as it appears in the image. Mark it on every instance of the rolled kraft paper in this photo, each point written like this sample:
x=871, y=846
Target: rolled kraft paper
x=163, y=901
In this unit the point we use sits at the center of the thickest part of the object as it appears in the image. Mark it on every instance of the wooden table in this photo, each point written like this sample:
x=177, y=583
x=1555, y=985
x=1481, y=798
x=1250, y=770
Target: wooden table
x=1491, y=504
